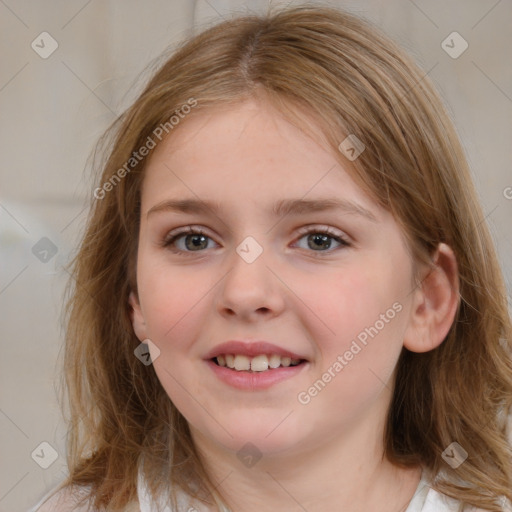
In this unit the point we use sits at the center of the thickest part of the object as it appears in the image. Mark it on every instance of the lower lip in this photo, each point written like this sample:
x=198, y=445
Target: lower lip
x=253, y=381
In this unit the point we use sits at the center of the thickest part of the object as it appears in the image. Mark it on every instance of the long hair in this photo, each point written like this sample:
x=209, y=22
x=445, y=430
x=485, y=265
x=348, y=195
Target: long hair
x=353, y=81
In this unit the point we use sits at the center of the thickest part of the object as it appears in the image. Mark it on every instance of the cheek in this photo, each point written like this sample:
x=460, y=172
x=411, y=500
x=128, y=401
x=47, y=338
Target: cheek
x=174, y=309
x=359, y=331
x=345, y=303
x=173, y=302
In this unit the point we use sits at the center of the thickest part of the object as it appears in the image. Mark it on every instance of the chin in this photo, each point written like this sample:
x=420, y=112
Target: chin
x=269, y=436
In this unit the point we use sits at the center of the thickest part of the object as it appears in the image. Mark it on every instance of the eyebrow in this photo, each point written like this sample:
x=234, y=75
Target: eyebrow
x=280, y=209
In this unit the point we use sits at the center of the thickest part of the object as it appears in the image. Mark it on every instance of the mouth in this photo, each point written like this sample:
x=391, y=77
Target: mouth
x=256, y=364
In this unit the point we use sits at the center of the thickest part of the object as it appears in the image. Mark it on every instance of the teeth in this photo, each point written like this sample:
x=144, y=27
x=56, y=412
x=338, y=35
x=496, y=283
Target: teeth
x=285, y=361
x=274, y=361
x=258, y=363
x=242, y=363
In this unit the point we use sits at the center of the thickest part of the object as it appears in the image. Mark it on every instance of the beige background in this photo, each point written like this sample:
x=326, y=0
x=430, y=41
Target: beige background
x=53, y=111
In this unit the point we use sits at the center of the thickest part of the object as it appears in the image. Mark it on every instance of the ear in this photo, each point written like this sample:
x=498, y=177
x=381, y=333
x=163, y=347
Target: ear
x=136, y=316
x=435, y=303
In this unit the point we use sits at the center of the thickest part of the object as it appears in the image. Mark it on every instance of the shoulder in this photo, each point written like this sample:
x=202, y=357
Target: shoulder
x=70, y=499
x=62, y=500
x=67, y=499
x=428, y=499
x=437, y=502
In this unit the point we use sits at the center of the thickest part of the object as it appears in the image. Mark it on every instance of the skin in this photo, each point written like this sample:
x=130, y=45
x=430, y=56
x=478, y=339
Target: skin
x=326, y=454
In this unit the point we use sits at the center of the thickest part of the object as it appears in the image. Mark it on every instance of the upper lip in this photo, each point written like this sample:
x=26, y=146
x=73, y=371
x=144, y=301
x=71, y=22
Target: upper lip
x=250, y=349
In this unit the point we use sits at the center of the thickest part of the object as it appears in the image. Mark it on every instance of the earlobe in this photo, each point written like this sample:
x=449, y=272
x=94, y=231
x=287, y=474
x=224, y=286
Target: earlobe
x=435, y=303
x=137, y=318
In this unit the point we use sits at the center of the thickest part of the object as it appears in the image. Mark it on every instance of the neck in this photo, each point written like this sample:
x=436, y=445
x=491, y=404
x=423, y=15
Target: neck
x=348, y=473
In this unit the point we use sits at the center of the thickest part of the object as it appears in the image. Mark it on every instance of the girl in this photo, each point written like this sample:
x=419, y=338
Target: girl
x=286, y=297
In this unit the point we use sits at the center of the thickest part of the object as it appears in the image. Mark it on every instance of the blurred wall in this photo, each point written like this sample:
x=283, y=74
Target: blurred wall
x=69, y=68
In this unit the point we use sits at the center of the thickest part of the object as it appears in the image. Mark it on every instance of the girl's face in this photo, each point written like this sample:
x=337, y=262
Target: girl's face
x=257, y=247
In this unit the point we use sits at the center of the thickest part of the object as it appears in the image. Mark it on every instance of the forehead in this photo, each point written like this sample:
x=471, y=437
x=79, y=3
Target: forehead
x=247, y=152
x=252, y=129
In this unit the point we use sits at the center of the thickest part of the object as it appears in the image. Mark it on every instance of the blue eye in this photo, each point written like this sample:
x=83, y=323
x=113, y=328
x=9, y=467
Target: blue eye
x=194, y=240
x=321, y=240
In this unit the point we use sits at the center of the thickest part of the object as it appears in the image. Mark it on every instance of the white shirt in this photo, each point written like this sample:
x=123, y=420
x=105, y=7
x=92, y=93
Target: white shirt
x=425, y=499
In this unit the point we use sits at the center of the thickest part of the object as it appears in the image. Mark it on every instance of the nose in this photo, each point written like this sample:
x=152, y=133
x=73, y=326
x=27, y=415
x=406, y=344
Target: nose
x=250, y=291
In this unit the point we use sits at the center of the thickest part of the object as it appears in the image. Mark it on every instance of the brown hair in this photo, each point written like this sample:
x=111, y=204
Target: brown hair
x=353, y=80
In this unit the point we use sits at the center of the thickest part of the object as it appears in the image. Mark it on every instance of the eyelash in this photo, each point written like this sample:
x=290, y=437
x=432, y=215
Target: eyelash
x=173, y=236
